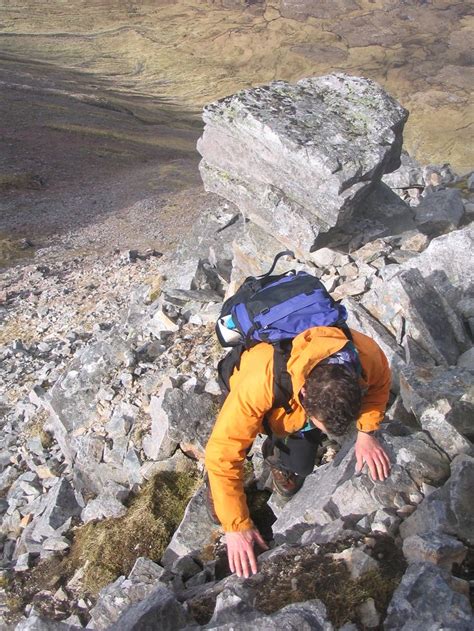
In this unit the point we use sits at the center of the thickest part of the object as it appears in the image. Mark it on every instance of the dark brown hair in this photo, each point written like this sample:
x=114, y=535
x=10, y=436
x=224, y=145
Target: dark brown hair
x=333, y=396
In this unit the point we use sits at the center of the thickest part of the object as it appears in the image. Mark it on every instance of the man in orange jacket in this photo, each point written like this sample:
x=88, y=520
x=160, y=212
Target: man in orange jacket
x=336, y=383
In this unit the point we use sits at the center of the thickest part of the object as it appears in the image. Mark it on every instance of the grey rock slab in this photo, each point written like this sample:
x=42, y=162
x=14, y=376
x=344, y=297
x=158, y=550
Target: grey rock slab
x=413, y=241
x=369, y=616
x=178, y=462
x=384, y=522
x=23, y=562
x=102, y=507
x=209, y=238
x=415, y=354
x=436, y=421
x=350, y=288
x=449, y=393
x=191, y=416
x=185, y=566
x=408, y=174
x=159, y=445
x=434, y=547
x=335, y=491
x=61, y=506
x=195, y=531
x=117, y=597
x=122, y=419
x=450, y=254
x=159, y=610
x=425, y=600
x=234, y=603
x=440, y=212
x=262, y=146
x=305, y=616
x=406, y=303
x=56, y=544
x=449, y=509
x=361, y=320
x=38, y=623
x=325, y=257
x=329, y=533
x=466, y=360
x=357, y=562
x=253, y=251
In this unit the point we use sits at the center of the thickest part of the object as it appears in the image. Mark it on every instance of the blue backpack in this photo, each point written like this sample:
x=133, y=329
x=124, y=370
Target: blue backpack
x=274, y=309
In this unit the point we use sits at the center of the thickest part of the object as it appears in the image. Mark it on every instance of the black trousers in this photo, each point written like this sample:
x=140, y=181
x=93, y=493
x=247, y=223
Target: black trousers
x=295, y=453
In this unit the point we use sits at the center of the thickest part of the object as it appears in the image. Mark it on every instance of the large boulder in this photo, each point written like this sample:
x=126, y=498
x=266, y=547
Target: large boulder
x=407, y=304
x=195, y=531
x=361, y=320
x=442, y=400
x=190, y=417
x=298, y=159
x=450, y=254
x=425, y=599
x=335, y=491
x=159, y=610
x=449, y=509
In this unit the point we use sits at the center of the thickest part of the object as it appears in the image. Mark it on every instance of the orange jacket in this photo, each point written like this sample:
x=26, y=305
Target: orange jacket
x=251, y=397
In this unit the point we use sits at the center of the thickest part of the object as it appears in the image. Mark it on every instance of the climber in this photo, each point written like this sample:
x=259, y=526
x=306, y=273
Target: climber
x=336, y=385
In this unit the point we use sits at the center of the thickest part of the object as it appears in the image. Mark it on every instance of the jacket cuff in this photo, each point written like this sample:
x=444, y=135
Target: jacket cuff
x=369, y=422
x=246, y=524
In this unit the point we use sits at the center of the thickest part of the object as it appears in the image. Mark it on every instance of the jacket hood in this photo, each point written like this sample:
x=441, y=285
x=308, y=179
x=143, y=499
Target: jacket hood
x=311, y=347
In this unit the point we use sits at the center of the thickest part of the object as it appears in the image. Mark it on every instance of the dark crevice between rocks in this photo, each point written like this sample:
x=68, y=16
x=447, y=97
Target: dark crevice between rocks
x=465, y=571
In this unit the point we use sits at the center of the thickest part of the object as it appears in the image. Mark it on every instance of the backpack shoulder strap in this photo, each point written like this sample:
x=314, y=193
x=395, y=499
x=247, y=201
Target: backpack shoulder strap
x=282, y=386
x=226, y=367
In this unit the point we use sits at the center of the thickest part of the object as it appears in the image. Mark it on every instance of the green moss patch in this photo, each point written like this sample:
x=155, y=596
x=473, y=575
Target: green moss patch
x=109, y=548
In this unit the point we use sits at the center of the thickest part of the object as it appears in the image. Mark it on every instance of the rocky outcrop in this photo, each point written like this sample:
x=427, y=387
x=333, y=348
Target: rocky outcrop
x=298, y=160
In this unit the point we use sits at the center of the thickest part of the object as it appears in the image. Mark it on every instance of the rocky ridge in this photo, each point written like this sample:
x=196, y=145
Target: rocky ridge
x=98, y=401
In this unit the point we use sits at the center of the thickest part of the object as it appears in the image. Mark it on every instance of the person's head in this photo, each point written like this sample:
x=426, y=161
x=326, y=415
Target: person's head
x=332, y=398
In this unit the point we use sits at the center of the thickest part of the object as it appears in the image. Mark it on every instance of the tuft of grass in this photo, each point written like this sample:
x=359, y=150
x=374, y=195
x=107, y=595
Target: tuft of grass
x=19, y=181
x=303, y=575
x=109, y=548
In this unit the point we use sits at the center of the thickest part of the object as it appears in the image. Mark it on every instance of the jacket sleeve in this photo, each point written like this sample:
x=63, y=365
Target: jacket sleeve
x=239, y=422
x=378, y=378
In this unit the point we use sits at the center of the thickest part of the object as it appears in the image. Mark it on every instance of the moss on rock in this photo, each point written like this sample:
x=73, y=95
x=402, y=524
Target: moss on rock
x=109, y=548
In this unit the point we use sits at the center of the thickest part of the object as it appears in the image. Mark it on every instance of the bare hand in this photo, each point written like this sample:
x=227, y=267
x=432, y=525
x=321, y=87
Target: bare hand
x=241, y=553
x=368, y=450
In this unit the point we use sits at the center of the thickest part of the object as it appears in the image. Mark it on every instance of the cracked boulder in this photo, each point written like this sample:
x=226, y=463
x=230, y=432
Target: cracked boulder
x=442, y=401
x=406, y=304
x=191, y=417
x=449, y=509
x=298, y=159
x=425, y=599
x=335, y=491
x=195, y=531
x=450, y=254
x=159, y=610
